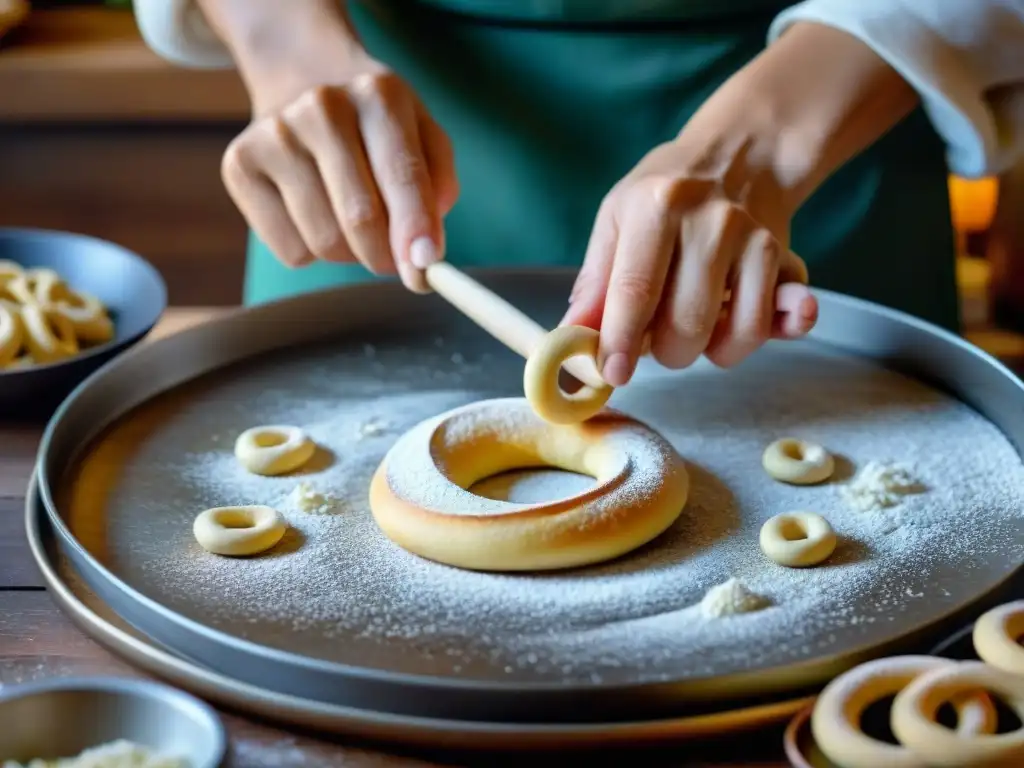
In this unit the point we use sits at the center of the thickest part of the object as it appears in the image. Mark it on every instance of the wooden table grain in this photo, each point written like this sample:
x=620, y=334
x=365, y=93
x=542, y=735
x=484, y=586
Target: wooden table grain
x=37, y=641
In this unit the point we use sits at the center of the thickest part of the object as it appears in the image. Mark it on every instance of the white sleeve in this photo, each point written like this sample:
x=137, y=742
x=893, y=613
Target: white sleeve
x=177, y=31
x=965, y=58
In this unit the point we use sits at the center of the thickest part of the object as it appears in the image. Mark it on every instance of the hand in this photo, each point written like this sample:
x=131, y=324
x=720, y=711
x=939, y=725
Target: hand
x=342, y=163
x=692, y=248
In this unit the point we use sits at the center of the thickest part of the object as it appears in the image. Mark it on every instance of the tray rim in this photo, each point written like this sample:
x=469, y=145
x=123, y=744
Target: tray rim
x=830, y=336
x=221, y=690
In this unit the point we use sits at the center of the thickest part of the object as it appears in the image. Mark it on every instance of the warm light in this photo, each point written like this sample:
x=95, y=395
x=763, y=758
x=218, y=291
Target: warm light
x=972, y=203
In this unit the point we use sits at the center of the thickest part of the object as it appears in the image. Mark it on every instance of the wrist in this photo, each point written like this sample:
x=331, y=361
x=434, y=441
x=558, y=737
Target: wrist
x=280, y=49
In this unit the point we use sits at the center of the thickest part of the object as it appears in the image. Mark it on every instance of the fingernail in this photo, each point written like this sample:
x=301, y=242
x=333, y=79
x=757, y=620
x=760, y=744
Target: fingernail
x=617, y=370
x=423, y=253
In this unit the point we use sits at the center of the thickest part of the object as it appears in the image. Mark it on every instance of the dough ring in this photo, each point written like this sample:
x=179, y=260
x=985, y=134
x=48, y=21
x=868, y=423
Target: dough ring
x=8, y=270
x=797, y=461
x=49, y=336
x=11, y=333
x=273, y=450
x=32, y=286
x=419, y=499
x=87, y=314
x=913, y=717
x=238, y=531
x=540, y=377
x=797, y=539
x=835, y=721
x=997, y=635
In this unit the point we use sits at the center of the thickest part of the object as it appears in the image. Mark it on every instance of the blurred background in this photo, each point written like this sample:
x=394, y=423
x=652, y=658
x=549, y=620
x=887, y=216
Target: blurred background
x=99, y=136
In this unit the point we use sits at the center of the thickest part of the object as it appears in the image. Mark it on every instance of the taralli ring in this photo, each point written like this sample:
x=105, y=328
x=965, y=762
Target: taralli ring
x=540, y=377
x=239, y=531
x=273, y=450
x=915, y=708
x=997, y=636
x=797, y=462
x=420, y=499
x=835, y=721
x=797, y=539
x=10, y=334
x=49, y=336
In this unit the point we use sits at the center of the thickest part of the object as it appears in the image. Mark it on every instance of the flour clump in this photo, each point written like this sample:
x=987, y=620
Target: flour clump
x=880, y=485
x=730, y=598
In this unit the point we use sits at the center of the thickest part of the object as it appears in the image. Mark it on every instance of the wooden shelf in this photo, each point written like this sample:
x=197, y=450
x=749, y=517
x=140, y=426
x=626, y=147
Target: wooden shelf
x=91, y=64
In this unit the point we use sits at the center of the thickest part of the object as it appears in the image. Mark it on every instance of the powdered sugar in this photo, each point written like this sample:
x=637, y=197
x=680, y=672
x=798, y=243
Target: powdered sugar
x=337, y=589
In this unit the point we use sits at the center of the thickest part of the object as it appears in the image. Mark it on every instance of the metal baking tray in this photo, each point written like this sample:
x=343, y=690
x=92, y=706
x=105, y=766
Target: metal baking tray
x=365, y=348
x=95, y=618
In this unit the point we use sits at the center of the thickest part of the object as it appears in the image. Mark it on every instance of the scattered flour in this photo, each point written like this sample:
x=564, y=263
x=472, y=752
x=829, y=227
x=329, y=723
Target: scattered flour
x=730, y=598
x=306, y=498
x=116, y=754
x=880, y=485
x=337, y=589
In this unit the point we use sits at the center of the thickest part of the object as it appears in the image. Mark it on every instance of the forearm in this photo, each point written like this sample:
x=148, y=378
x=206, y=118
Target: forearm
x=273, y=42
x=810, y=102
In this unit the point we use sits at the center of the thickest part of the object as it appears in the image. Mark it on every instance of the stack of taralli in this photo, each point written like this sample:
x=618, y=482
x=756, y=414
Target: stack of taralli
x=922, y=685
x=43, y=320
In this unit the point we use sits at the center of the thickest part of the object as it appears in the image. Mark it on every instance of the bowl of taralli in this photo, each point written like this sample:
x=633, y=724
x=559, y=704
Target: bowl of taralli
x=68, y=304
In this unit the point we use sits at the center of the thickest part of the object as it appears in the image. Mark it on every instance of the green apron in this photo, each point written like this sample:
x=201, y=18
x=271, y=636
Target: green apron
x=548, y=103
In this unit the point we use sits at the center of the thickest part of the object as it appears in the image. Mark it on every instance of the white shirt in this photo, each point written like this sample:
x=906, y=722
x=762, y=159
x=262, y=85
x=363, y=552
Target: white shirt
x=965, y=59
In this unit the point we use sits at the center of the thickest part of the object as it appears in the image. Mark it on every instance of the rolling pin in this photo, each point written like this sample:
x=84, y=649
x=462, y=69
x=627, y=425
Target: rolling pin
x=504, y=322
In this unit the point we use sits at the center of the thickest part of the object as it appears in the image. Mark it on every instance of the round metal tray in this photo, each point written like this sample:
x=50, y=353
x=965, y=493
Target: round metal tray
x=273, y=339
x=96, y=619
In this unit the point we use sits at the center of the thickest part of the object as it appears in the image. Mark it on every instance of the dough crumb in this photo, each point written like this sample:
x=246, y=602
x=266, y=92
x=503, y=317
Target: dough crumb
x=879, y=485
x=308, y=499
x=115, y=754
x=372, y=428
x=729, y=598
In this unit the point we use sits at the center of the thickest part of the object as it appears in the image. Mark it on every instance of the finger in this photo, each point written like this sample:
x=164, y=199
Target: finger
x=796, y=311
x=259, y=202
x=643, y=254
x=291, y=168
x=587, y=297
x=712, y=241
x=749, y=322
x=437, y=150
x=389, y=128
x=328, y=126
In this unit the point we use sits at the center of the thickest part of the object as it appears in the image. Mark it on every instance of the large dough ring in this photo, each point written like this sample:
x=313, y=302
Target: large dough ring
x=797, y=461
x=49, y=336
x=835, y=721
x=11, y=333
x=238, y=531
x=914, y=709
x=273, y=450
x=797, y=539
x=540, y=377
x=419, y=499
x=997, y=636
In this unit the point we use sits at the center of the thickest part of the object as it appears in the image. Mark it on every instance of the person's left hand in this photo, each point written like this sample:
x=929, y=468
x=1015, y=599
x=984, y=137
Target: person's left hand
x=692, y=248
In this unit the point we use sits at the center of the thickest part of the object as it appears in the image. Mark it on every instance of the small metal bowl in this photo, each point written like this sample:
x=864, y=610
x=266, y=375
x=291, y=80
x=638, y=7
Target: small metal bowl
x=128, y=285
x=64, y=717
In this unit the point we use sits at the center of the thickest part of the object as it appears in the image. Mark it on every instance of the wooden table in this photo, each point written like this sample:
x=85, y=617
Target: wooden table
x=37, y=641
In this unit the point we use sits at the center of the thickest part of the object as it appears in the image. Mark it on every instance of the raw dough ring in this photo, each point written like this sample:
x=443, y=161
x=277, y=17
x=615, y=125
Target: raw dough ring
x=835, y=721
x=797, y=461
x=273, y=450
x=238, y=531
x=419, y=499
x=913, y=717
x=49, y=336
x=540, y=377
x=997, y=637
x=797, y=539
x=11, y=333
x=87, y=314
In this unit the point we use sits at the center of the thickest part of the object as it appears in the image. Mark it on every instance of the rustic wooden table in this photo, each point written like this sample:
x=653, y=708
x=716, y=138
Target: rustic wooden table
x=37, y=641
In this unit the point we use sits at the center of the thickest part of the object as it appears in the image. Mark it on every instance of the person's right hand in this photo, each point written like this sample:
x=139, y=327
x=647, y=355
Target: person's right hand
x=349, y=170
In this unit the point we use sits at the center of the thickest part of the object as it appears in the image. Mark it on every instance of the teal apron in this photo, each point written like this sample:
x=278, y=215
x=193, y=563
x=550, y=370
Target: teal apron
x=548, y=103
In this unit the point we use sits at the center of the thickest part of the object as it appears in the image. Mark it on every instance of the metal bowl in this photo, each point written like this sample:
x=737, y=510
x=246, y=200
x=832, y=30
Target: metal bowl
x=63, y=717
x=130, y=287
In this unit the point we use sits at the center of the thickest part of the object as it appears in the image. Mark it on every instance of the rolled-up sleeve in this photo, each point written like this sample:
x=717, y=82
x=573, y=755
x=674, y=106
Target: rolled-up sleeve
x=965, y=58
x=177, y=31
